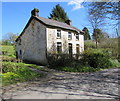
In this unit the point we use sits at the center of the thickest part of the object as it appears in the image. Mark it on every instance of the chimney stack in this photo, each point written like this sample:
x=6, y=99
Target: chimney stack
x=68, y=22
x=35, y=12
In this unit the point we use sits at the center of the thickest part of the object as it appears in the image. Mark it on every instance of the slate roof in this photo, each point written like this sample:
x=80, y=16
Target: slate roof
x=55, y=23
x=50, y=22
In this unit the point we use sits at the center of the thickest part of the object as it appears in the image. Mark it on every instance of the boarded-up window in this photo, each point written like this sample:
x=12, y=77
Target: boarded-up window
x=77, y=49
x=59, y=47
x=58, y=33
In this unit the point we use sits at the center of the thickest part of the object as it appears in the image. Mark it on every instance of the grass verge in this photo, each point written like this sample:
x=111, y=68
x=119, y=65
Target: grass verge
x=17, y=72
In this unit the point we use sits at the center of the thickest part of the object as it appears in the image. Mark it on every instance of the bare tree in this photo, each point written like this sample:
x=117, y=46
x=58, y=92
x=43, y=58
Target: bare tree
x=10, y=37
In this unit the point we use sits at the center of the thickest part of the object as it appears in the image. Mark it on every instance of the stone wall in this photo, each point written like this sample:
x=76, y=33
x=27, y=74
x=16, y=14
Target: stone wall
x=33, y=43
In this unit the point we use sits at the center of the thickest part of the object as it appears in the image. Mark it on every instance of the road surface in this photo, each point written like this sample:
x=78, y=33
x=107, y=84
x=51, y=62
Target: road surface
x=61, y=85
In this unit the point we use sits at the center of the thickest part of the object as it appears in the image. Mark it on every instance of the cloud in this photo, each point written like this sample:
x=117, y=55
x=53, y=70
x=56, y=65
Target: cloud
x=76, y=3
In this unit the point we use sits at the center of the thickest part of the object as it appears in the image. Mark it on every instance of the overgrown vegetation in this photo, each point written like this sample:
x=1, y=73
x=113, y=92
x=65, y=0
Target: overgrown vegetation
x=13, y=70
x=89, y=44
x=97, y=58
x=16, y=72
x=90, y=60
x=8, y=50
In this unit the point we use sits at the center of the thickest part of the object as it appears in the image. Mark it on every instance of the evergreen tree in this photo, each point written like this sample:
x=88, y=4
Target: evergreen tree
x=58, y=14
x=86, y=34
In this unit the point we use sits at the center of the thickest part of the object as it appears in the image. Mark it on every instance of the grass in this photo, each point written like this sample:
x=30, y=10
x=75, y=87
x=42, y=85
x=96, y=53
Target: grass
x=17, y=72
x=13, y=72
x=8, y=50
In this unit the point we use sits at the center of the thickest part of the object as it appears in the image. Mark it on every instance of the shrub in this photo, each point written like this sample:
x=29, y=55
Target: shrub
x=58, y=61
x=89, y=44
x=90, y=61
x=96, y=58
x=10, y=59
x=8, y=50
x=115, y=63
x=79, y=68
x=10, y=77
x=16, y=72
x=112, y=44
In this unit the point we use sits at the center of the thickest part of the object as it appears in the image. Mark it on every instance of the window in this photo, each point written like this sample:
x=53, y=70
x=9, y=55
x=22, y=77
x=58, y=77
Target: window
x=58, y=33
x=69, y=35
x=59, y=47
x=77, y=36
x=77, y=49
x=20, y=52
x=70, y=48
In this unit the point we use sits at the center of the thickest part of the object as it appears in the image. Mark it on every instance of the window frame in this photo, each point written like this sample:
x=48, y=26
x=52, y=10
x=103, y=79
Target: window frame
x=58, y=34
x=69, y=36
x=77, y=48
x=77, y=36
x=70, y=48
x=59, y=47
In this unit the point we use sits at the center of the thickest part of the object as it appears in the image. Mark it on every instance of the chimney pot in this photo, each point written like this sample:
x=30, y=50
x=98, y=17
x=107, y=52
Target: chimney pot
x=68, y=22
x=35, y=12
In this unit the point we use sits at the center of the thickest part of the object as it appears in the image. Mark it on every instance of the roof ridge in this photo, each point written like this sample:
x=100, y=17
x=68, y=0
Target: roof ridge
x=54, y=20
x=57, y=24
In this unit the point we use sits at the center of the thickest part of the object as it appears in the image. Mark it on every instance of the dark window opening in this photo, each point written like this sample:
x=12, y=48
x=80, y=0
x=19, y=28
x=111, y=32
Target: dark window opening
x=58, y=33
x=20, y=52
x=59, y=47
x=70, y=48
x=77, y=36
x=69, y=35
x=77, y=49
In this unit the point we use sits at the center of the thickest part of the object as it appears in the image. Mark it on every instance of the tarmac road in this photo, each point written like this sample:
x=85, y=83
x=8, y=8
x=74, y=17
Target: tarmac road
x=61, y=85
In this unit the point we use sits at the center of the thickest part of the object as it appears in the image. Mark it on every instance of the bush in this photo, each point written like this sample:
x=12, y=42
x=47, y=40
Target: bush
x=115, y=63
x=90, y=61
x=10, y=59
x=89, y=44
x=96, y=58
x=66, y=63
x=16, y=72
x=10, y=77
x=58, y=61
x=8, y=50
x=80, y=68
x=112, y=44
